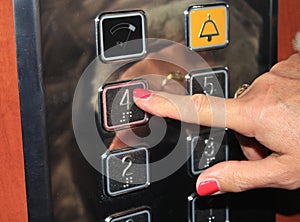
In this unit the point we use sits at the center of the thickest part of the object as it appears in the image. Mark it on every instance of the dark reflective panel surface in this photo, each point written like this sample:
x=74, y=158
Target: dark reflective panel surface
x=71, y=40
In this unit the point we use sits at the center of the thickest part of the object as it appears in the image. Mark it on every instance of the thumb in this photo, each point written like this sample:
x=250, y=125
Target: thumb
x=237, y=176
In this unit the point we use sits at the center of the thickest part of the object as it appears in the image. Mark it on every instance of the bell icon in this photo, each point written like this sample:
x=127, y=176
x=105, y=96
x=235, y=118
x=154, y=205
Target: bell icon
x=208, y=29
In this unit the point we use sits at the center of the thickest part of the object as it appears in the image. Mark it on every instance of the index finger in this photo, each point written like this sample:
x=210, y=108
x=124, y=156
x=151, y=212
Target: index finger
x=197, y=109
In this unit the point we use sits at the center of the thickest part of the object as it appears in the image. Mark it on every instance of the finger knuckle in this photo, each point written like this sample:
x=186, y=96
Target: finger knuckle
x=288, y=180
x=286, y=176
x=239, y=182
x=199, y=101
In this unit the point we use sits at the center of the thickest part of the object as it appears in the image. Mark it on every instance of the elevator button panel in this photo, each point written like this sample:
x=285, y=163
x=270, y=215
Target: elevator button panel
x=207, y=149
x=121, y=35
x=207, y=26
x=126, y=170
x=131, y=216
x=118, y=163
x=213, y=82
x=117, y=106
x=208, y=209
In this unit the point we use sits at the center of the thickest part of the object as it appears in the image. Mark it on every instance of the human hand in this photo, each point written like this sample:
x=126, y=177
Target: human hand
x=158, y=69
x=267, y=114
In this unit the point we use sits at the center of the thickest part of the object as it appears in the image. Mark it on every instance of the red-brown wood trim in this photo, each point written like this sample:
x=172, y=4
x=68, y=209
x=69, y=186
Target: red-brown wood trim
x=288, y=25
x=13, y=205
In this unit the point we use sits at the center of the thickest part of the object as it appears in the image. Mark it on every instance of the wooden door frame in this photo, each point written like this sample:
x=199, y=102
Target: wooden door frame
x=13, y=203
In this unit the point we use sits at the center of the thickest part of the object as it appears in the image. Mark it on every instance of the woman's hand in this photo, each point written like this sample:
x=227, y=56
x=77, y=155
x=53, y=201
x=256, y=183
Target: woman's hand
x=266, y=117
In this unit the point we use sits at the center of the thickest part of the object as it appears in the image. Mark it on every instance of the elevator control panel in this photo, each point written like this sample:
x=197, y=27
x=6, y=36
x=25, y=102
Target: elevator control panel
x=108, y=159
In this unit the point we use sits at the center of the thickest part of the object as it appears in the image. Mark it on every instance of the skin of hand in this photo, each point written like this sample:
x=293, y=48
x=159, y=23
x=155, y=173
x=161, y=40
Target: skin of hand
x=265, y=117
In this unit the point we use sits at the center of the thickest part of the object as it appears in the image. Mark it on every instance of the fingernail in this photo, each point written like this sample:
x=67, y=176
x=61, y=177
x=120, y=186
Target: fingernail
x=208, y=187
x=141, y=93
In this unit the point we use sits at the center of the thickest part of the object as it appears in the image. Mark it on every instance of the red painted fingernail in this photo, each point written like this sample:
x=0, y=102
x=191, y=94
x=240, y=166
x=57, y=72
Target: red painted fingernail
x=141, y=93
x=208, y=187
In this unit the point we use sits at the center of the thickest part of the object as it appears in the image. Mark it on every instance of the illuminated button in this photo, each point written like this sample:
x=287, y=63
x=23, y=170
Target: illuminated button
x=121, y=35
x=207, y=149
x=126, y=170
x=138, y=215
x=118, y=108
x=213, y=82
x=208, y=209
x=207, y=26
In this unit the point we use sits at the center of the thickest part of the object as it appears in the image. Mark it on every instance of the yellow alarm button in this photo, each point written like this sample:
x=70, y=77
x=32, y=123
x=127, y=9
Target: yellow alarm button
x=208, y=27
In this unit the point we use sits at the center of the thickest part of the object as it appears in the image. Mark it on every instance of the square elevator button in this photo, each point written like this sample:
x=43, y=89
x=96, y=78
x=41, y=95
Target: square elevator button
x=126, y=170
x=118, y=108
x=207, y=149
x=212, y=82
x=210, y=208
x=142, y=215
x=207, y=26
x=122, y=35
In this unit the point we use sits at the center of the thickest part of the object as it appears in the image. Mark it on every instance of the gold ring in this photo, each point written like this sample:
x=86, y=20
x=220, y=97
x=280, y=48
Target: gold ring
x=241, y=90
x=177, y=75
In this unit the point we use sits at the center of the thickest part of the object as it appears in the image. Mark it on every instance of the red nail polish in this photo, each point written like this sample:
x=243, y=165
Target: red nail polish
x=141, y=93
x=207, y=187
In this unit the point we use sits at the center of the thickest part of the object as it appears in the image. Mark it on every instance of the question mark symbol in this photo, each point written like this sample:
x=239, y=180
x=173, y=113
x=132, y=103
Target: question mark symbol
x=125, y=173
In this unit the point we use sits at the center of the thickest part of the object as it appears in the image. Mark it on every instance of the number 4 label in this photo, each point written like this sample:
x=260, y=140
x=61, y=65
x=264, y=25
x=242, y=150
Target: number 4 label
x=125, y=101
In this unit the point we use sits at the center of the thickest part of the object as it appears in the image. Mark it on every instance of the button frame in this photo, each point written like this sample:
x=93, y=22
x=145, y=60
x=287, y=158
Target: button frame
x=192, y=205
x=191, y=76
x=120, y=152
x=191, y=143
x=100, y=35
x=188, y=28
x=103, y=109
x=128, y=214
